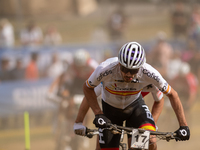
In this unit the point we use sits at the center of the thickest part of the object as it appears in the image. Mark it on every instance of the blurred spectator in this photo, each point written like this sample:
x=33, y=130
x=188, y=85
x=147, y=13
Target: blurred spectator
x=116, y=24
x=5, y=70
x=99, y=35
x=192, y=56
x=56, y=67
x=18, y=72
x=194, y=29
x=7, y=38
x=32, y=35
x=195, y=64
x=174, y=65
x=186, y=85
x=189, y=52
x=52, y=36
x=31, y=71
x=161, y=53
x=180, y=20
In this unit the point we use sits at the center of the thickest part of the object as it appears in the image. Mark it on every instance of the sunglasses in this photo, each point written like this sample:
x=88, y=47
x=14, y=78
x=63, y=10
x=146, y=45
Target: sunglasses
x=126, y=70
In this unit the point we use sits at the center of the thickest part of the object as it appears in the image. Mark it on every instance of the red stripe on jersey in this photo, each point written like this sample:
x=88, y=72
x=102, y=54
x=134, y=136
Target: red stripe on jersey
x=144, y=94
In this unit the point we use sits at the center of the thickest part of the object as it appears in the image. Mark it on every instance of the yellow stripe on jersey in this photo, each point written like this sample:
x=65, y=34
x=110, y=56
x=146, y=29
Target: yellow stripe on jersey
x=122, y=93
x=88, y=85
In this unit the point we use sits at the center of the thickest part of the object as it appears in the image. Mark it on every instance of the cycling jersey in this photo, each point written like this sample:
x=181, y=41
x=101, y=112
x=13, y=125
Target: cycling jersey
x=118, y=93
x=156, y=93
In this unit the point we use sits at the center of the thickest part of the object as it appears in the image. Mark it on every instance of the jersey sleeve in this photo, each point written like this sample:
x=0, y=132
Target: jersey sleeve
x=157, y=94
x=100, y=73
x=154, y=77
x=98, y=89
x=95, y=78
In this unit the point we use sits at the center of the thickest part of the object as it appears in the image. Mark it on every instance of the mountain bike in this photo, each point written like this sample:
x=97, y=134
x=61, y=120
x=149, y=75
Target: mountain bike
x=140, y=137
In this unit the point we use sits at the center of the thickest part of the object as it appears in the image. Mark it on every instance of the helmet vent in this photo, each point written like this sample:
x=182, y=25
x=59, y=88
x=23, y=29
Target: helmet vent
x=132, y=55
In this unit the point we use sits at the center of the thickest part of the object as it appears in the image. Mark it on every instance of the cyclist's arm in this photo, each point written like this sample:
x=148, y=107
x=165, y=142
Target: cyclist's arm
x=51, y=94
x=177, y=107
x=161, y=83
x=92, y=99
x=157, y=109
x=84, y=107
x=158, y=103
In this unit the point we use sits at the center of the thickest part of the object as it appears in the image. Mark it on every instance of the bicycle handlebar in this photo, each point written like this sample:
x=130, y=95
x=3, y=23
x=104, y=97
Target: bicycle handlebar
x=119, y=129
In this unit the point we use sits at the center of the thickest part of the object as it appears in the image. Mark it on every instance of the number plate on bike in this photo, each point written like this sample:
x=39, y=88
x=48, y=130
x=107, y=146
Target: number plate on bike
x=140, y=140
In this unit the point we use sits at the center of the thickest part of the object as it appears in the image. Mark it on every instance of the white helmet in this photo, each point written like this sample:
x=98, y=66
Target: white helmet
x=132, y=55
x=81, y=57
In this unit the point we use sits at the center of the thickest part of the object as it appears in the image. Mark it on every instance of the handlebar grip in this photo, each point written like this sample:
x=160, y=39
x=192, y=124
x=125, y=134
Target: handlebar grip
x=88, y=134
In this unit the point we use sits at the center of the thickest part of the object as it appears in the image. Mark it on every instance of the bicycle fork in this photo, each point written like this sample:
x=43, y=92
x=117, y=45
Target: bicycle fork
x=123, y=145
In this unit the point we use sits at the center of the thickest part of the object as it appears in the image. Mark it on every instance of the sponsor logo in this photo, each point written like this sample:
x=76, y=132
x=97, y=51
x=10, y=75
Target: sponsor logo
x=124, y=89
x=107, y=72
x=101, y=139
x=149, y=86
x=183, y=132
x=133, y=81
x=148, y=113
x=151, y=75
x=119, y=80
x=121, y=91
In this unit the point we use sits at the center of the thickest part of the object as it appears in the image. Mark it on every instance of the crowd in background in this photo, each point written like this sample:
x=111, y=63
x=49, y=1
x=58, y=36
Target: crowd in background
x=166, y=54
x=31, y=35
x=31, y=70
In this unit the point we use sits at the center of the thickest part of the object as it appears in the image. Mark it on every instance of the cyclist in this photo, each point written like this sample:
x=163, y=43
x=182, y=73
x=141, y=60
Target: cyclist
x=123, y=79
x=80, y=129
x=81, y=68
x=63, y=90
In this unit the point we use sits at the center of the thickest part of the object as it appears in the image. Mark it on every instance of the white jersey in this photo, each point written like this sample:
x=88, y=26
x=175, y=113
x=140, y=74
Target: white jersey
x=118, y=93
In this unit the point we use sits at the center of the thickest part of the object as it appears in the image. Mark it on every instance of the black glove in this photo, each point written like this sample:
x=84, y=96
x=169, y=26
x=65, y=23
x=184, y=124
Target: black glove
x=101, y=121
x=183, y=133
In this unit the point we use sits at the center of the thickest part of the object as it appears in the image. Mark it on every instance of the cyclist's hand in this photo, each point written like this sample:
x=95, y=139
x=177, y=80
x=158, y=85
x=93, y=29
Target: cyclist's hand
x=79, y=129
x=183, y=133
x=101, y=121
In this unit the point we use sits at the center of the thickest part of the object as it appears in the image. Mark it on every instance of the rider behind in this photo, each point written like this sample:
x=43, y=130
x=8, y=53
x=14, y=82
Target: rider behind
x=63, y=91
